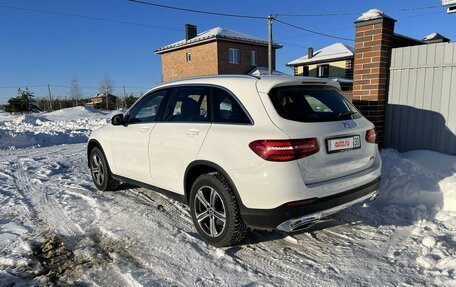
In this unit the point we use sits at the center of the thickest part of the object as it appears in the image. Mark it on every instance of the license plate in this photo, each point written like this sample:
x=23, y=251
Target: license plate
x=342, y=144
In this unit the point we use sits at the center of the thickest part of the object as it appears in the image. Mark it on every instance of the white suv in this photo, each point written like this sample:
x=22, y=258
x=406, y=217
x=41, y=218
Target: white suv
x=264, y=152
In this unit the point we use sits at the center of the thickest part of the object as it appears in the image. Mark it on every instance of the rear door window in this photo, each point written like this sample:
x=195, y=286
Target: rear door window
x=312, y=104
x=188, y=104
x=227, y=109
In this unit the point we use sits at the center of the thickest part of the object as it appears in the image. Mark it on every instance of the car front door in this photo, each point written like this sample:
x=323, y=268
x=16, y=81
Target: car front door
x=130, y=143
x=176, y=140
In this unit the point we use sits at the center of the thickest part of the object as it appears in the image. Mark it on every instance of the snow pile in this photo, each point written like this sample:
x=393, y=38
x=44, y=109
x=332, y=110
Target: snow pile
x=66, y=126
x=76, y=113
x=419, y=179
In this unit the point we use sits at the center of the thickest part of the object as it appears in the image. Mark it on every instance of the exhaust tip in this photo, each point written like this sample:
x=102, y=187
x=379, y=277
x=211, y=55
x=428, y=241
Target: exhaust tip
x=374, y=196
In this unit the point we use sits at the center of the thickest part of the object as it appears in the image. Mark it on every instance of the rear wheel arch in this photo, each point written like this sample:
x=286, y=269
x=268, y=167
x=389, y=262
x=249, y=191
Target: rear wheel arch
x=199, y=167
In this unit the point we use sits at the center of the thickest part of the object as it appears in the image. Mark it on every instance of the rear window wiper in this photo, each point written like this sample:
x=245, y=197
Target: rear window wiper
x=346, y=114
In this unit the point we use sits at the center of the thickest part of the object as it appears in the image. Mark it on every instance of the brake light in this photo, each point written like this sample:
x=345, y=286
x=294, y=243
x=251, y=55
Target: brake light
x=371, y=136
x=284, y=150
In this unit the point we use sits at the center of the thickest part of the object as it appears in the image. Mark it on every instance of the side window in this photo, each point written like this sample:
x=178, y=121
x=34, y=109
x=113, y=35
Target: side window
x=323, y=71
x=188, y=104
x=233, y=56
x=227, y=109
x=253, y=58
x=146, y=111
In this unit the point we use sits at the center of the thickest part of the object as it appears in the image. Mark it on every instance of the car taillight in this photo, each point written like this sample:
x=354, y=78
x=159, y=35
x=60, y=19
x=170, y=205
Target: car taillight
x=371, y=136
x=284, y=150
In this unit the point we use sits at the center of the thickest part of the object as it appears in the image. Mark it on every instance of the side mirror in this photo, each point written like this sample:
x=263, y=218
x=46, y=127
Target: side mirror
x=118, y=120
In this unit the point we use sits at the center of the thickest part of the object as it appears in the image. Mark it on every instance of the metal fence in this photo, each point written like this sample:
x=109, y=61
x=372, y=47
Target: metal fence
x=421, y=108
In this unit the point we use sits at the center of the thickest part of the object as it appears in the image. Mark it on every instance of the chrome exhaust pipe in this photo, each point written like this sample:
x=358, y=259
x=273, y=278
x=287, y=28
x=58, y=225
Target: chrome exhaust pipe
x=307, y=221
x=374, y=196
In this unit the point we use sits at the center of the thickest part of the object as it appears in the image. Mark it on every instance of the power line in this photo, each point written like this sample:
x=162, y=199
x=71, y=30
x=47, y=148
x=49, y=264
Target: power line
x=28, y=86
x=314, y=32
x=235, y=15
x=358, y=13
x=66, y=86
x=89, y=17
x=199, y=11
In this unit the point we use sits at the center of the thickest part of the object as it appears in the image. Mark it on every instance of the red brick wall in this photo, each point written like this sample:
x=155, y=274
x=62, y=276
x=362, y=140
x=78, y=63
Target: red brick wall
x=211, y=58
x=373, y=42
x=204, y=62
x=244, y=66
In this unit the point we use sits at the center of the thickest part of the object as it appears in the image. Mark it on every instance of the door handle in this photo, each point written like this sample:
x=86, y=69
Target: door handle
x=144, y=129
x=192, y=132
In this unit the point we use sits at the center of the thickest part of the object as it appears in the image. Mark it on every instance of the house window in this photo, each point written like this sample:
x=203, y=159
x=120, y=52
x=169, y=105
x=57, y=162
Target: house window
x=349, y=69
x=188, y=56
x=323, y=71
x=234, y=56
x=253, y=58
x=305, y=71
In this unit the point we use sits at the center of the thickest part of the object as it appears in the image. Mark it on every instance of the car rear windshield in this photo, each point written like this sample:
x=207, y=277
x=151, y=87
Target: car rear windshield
x=312, y=104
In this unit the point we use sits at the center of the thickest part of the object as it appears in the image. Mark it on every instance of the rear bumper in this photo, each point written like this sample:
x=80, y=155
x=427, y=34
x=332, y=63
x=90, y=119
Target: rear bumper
x=289, y=218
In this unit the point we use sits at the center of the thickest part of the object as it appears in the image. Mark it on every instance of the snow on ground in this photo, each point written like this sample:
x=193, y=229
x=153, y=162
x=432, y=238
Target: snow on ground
x=57, y=229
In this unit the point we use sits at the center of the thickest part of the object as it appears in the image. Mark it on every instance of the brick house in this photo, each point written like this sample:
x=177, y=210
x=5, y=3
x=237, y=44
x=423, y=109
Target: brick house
x=216, y=51
x=334, y=61
x=99, y=102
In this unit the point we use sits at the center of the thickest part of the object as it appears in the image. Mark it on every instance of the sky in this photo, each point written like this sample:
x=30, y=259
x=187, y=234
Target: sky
x=40, y=48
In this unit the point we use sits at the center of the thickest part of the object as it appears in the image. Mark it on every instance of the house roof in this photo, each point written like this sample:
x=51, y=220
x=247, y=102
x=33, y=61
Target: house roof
x=258, y=71
x=332, y=52
x=216, y=33
x=435, y=37
x=102, y=95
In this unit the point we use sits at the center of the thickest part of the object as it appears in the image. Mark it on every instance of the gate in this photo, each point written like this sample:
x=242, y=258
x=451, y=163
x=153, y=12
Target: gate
x=421, y=108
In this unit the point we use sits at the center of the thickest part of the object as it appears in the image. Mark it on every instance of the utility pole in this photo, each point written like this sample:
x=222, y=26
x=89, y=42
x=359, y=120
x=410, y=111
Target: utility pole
x=270, y=19
x=50, y=97
x=125, y=97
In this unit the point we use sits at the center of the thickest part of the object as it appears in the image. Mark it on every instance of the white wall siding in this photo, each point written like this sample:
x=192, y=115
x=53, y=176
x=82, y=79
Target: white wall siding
x=421, y=110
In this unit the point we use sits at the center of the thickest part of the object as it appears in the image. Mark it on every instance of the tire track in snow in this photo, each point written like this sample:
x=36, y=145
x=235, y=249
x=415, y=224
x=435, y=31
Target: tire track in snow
x=45, y=207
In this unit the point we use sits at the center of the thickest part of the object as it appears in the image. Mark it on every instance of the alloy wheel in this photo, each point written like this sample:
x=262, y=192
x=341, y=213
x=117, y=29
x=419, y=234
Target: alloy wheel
x=210, y=211
x=97, y=169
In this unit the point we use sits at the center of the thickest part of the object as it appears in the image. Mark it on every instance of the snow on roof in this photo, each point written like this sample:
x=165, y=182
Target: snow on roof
x=332, y=52
x=258, y=71
x=434, y=36
x=430, y=36
x=371, y=15
x=217, y=33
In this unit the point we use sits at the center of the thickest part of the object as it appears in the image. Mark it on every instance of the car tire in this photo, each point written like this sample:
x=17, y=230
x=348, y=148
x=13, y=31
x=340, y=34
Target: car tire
x=101, y=174
x=215, y=211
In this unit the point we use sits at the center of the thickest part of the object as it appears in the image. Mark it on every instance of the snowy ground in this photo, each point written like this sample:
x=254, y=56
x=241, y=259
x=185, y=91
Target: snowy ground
x=56, y=228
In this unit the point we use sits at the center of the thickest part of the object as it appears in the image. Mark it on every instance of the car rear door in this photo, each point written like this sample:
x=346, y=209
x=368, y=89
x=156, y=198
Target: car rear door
x=306, y=111
x=130, y=142
x=176, y=140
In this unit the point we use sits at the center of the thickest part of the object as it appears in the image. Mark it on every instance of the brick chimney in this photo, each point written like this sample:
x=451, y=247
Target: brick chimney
x=310, y=53
x=373, y=43
x=190, y=31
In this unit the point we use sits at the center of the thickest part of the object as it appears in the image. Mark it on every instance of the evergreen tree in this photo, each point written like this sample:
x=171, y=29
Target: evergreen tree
x=24, y=102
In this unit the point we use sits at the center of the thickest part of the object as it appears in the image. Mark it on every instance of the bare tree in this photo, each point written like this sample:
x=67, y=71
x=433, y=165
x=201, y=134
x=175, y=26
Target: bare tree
x=75, y=90
x=106, y=84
